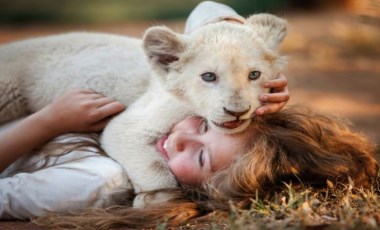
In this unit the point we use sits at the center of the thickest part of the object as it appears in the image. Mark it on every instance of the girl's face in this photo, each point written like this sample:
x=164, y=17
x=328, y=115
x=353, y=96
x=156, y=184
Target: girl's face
x=194, y=152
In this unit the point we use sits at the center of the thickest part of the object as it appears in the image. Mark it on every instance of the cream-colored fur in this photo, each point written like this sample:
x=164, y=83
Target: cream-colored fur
x=168, y=82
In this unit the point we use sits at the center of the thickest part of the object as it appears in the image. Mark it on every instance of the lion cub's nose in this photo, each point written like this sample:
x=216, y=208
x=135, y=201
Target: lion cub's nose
x=236, y=114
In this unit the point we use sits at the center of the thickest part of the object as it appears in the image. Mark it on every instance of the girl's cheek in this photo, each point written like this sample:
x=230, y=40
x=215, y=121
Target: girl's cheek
x=176, y=168
x=183, y=172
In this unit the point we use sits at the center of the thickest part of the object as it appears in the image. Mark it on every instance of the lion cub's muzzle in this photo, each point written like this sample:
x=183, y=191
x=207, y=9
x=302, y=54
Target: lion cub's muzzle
x=236, y=125
x=236, y=114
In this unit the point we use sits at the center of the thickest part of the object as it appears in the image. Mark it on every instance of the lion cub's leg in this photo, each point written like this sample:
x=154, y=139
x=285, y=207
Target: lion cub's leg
x=12, y=103
x=130, y=138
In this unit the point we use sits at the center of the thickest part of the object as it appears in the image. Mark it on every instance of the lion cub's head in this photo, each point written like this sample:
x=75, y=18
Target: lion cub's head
x=219, y=68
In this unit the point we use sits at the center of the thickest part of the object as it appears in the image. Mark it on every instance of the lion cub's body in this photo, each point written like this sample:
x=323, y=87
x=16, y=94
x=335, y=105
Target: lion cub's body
x=166, y=79
x=44, y=68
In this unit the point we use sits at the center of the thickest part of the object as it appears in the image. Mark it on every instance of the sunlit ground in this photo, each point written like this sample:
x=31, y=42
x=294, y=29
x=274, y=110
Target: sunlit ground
x=334, y=67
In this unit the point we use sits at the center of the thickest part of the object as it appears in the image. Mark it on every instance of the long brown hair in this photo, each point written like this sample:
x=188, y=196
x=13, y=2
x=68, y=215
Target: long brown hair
x=294, y=146
x=298, y=146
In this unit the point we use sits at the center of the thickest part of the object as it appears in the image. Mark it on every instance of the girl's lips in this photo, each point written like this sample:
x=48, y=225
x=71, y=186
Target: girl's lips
x=160, y=146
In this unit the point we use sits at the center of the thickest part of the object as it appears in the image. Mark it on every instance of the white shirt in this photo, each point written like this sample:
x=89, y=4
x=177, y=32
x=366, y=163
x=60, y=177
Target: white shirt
x=74, y=181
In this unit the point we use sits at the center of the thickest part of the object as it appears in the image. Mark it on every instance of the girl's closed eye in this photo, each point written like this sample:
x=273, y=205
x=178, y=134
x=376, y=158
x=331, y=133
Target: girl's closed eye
x=201, y=159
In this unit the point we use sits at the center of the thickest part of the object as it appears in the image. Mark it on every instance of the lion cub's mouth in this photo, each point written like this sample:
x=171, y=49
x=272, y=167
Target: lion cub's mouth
x=230, y=124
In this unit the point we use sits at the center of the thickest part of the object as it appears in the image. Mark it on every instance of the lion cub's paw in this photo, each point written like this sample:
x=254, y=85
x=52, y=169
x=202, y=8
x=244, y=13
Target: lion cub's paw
x=143, y=200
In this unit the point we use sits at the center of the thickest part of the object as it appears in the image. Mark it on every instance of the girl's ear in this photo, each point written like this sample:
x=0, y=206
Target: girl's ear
x=162, y=46
x=269, y=27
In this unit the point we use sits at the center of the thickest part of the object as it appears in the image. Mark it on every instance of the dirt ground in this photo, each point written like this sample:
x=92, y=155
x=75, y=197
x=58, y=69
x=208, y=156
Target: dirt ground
x=334, y=63
x=334, y=67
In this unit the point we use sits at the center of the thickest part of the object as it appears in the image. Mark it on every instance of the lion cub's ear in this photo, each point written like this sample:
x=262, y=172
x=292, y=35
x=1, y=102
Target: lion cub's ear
x=271, y=28
x=162, y=46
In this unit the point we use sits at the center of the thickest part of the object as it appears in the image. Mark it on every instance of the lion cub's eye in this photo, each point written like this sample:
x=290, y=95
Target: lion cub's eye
x=254, y=75
x=208, y=77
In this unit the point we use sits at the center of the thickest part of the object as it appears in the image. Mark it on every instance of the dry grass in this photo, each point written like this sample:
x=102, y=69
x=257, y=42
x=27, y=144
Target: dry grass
x=334, y=207
x=308, y=208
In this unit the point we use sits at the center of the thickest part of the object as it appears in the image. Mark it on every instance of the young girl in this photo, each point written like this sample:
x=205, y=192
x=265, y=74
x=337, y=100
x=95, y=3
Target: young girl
x=54, y=186
x=292, y=146
x=84, y=170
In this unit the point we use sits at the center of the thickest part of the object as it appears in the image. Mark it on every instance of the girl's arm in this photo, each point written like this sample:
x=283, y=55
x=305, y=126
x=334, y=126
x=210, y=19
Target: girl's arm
x=76, y=111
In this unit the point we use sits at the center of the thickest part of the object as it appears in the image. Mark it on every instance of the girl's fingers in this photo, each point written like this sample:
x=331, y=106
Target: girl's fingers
x=99, y=102
x=278, y=97
x=98, y=126
x=94, y=96
x=270, y=108
x=86, y=94
x=275, y=97
x=105, y=114
x=110, y=109
x=86, y=91
x=280, y=82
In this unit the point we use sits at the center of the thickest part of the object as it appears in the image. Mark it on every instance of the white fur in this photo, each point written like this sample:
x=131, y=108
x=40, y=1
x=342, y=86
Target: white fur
x=44, y=68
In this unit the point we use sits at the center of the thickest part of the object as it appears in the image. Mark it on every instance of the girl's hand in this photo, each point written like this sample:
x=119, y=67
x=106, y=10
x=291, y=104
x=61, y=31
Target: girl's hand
x=278, y=97
x=80, y=111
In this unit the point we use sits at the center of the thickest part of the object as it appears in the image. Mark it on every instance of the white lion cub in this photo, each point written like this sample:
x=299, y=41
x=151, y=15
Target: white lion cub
x=216, y=72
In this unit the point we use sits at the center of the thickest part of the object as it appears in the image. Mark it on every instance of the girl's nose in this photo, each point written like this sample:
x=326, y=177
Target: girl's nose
x=185, y=141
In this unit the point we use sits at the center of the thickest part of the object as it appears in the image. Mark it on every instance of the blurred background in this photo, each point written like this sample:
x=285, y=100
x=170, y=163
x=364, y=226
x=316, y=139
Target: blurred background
x=333, y=46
